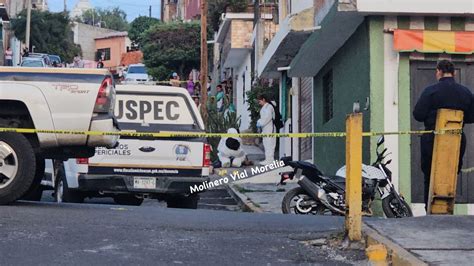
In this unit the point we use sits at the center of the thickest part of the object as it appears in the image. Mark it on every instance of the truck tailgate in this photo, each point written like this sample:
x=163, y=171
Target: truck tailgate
x=149, y=158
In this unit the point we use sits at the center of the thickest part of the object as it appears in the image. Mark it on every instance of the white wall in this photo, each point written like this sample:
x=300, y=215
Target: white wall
x=391, y=63
x=240, y=100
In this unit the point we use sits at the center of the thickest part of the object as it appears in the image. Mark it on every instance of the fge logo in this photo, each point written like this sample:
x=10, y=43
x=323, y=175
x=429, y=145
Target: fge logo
x=133, y=110
x=181, y=152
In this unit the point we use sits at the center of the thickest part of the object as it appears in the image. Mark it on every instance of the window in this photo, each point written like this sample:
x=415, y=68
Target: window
x=328, y=108
x=136, y=70
x=104, y=54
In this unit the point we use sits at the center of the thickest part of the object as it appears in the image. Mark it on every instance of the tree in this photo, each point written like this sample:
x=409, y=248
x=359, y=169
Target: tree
x=50, y=33
x=114, y=19
x=172, y=47
x=217, y=7
x=139, y=26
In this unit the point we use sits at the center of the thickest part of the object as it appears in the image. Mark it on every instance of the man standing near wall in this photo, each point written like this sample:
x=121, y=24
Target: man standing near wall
x=444, y=94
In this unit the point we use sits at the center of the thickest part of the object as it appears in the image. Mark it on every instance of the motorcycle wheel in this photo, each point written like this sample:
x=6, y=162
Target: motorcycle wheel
x=292, y=200
x=393, y=208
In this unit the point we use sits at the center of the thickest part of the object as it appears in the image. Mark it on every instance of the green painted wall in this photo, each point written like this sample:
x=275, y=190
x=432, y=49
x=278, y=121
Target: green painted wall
x=376, y=42
x=351, y=69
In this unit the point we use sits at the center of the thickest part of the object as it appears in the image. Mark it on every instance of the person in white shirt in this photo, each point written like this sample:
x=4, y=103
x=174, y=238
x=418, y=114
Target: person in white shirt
x=267, y=115
x=9, y=57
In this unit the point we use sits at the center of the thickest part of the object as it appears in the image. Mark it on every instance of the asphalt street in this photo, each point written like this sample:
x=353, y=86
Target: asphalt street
x=46, y=233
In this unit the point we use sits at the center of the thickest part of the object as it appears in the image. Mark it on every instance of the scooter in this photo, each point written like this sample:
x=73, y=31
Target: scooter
x=325, y=195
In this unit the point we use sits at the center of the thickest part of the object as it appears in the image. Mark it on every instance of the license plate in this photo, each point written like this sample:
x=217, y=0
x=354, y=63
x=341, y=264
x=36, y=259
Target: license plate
x=144, y=182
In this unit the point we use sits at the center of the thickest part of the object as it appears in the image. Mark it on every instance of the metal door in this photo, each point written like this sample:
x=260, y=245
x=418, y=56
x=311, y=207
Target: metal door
x=422, y=74
x=306, y=117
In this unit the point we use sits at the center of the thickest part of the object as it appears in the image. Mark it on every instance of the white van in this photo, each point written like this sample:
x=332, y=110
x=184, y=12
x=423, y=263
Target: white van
x=138, y=168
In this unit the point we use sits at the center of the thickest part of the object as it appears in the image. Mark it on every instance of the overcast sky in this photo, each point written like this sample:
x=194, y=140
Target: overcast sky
x=133, y=10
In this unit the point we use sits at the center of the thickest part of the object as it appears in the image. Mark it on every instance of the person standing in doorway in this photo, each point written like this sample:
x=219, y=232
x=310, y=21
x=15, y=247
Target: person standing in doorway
x=9, y=57
x=265, y=123
x=444, y=94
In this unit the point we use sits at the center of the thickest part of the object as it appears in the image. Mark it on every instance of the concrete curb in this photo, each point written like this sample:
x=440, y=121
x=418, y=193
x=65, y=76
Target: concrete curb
x=244, y=202
x=397, y=255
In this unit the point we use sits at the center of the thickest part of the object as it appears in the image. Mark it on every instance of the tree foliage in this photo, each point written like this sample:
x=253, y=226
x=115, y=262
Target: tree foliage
x=114, y=18
x=50, y=33
x=139, y=26
x=217, y=7
x=172, y=47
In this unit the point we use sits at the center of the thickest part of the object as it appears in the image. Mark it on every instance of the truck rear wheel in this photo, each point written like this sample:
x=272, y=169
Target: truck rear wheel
x=17, y=166
x=62, y=192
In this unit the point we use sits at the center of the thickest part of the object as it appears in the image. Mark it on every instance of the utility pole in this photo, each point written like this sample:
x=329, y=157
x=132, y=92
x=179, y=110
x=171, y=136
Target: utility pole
x=28, y=24
x=204, y=60
x=65, y=6
x=150, y=11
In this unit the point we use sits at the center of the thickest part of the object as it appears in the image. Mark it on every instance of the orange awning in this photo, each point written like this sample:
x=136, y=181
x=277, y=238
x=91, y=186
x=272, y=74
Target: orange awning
x=426, y=41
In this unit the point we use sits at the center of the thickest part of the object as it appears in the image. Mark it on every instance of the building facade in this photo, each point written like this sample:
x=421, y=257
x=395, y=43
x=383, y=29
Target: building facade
x=239, y=41
x=383, y=55
x=111, y=47
x=85, y=35
x=181, y=10
x=295, y=25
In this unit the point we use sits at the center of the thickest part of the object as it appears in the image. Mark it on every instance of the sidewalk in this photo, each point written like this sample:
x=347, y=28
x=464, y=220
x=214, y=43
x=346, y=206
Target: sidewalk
x=437, y=240
x=258, y=193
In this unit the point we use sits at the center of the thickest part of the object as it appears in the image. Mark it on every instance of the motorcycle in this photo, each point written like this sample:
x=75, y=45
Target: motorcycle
x=325, y=195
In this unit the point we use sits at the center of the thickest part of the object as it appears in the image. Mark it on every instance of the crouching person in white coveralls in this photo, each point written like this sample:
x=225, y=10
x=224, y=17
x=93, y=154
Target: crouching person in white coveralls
x=230, y=150
x=265, y=123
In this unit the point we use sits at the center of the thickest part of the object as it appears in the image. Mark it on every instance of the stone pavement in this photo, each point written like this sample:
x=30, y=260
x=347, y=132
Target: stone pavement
x=435, y=240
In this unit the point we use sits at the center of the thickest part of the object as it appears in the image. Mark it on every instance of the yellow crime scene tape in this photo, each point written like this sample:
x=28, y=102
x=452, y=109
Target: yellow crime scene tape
x=171, y=134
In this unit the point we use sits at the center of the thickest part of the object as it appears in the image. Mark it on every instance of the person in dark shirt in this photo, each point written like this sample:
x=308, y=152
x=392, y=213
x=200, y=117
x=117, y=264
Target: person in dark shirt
x=444, y=94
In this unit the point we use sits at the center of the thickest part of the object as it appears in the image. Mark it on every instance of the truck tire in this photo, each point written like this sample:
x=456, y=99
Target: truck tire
x=17, y=166
x=128, y=199
x=36, y=191
x=62, y=193
x=182, y=202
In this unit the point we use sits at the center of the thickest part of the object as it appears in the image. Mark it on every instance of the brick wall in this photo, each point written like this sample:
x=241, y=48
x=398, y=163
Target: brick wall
x=241, y=33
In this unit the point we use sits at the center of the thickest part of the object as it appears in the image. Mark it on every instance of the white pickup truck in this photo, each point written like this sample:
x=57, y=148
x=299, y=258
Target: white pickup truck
x=142, y=167
x=50, y=99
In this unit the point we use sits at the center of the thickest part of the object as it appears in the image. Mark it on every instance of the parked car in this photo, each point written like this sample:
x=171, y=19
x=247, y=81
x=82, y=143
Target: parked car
x=57, y=59
x=142, y=167
x=136, y=74
x=33, y=62
x=40, y=55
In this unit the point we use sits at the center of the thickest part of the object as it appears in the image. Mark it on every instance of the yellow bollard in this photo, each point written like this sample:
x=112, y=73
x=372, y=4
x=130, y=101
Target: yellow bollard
x=354, y=176
x=445, y=162
x=377, y=255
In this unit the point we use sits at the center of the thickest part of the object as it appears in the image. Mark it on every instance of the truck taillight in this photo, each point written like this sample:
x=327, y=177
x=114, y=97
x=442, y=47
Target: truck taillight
x=105, y=97
x=206, y=159
x=82, y=160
